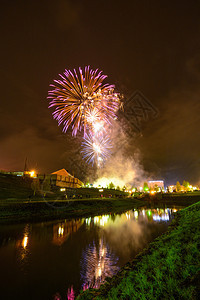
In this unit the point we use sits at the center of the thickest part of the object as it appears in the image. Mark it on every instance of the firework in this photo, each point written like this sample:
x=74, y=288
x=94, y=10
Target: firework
x=82, y=101
x=96, y=149
x=77, y=94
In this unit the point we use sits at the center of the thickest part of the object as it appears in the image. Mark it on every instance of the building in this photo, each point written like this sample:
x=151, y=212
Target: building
x=156, y=184
x=60, y=178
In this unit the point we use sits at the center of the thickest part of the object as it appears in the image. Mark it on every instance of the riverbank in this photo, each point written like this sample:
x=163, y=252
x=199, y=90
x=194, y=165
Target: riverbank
x=168, y=269
x=29, y=211
x=171, y=199
x=17, y=211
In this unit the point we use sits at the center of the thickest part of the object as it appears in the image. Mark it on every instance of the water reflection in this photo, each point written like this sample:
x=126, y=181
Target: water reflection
x=61, y=231
x=70, y=293
x=22, y=247
x=157, y=214
x=125, y=234
x=73, y=254
x=97, y=263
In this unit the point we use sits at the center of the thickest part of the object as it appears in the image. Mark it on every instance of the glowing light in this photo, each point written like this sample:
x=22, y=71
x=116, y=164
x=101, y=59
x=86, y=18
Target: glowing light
x=163, y=217
x=88, y=221
x=25, y=241
x=70, y=293
x=136, y=214
x=99, y=270
x=101, y=220
x=32, y=173
x=104, y=182
x=62, y=189
x=149, y=213
x=97, y=126
x=152, y=192
x=60, y=230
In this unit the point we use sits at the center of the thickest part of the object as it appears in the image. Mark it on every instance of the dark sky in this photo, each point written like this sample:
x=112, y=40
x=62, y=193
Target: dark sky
x=150, y=46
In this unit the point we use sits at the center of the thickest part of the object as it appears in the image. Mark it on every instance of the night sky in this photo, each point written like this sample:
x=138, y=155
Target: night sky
x=149, y=46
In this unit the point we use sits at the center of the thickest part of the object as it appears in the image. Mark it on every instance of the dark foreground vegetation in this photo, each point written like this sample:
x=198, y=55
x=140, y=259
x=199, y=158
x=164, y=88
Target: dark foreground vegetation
x=168, y=269
x=14, y=187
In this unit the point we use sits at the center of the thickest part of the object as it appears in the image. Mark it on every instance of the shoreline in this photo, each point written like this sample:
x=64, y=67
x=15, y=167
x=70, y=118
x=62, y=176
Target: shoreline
x=41, y=211
x=168, y=268
x=18, y=211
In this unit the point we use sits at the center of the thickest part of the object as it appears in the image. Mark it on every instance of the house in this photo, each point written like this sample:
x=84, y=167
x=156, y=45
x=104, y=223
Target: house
x=61, y=178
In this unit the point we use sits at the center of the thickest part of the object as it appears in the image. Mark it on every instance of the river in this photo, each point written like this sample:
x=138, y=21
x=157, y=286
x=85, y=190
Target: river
x=54, y=260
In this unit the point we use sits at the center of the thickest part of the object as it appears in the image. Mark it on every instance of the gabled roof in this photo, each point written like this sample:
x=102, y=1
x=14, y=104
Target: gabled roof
x=62, y=172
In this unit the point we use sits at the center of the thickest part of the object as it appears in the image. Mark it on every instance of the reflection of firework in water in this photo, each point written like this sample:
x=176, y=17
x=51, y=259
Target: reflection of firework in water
x=83, y=101
x=97, y=263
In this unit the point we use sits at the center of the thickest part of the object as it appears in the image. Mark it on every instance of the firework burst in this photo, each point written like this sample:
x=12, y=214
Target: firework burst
x=96, y=149
x=83, y=101
x=77, y=94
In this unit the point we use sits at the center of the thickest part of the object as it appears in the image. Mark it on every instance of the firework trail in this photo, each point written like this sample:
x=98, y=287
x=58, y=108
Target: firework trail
x=82, y=101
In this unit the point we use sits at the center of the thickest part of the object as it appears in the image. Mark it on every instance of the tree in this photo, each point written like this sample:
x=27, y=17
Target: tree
x=87, y=184
x=145, y=187
x=178, y=186
x=111, y=186
x=35, y=185
x=186, y=185
x=124, y=188
x=156, y=188
x=46, y=186
x=118, y=188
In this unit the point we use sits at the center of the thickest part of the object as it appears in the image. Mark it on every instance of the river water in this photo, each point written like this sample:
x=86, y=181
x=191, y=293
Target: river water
x=54, y=260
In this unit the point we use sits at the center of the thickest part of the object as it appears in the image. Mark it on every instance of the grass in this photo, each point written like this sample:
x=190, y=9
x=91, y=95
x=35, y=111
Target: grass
x=181, y=199
x=168, y=269
x=14, y=187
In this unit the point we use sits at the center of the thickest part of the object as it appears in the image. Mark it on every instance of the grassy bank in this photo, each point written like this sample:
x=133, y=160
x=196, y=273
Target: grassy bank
x=183, y=199
x=58, y=209
x=172, y=200
x=168, y=269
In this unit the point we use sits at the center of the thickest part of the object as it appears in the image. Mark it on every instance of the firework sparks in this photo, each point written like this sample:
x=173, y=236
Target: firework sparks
x=77, y=94
x=82, y=101
x=96, y=149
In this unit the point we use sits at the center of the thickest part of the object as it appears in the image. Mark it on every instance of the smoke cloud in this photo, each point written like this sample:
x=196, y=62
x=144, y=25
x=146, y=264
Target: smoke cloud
x=123, y=167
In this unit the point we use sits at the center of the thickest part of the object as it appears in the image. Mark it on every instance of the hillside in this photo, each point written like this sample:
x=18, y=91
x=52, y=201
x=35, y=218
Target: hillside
x=15, y=187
